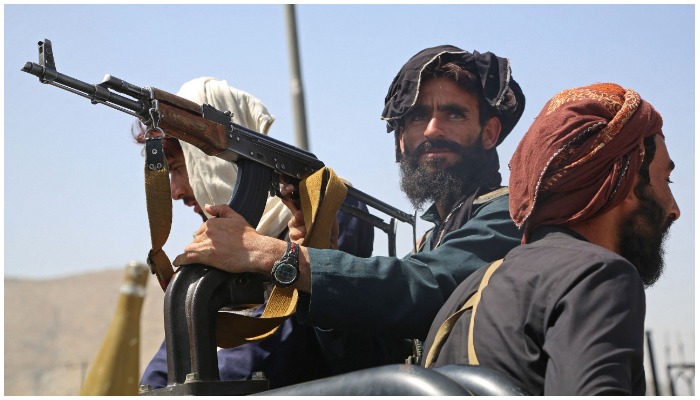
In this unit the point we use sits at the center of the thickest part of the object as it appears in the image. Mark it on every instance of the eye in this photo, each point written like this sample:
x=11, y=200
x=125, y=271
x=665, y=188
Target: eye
x=669, y=180
x=175, y=169
x=456, y=111
x=416, y=116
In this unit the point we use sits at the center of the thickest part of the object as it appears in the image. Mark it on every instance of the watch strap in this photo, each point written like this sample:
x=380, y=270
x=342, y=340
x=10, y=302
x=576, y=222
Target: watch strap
x=290, y=257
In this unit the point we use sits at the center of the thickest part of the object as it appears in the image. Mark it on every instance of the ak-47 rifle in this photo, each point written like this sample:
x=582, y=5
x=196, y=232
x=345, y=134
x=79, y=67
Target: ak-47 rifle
x=261, y=160
x=262, y=163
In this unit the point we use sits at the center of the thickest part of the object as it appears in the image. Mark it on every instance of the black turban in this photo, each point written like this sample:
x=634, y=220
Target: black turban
x=501, y=92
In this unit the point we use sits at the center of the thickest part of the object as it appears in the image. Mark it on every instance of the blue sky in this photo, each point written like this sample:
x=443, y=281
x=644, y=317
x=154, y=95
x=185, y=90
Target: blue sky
x=74, y=197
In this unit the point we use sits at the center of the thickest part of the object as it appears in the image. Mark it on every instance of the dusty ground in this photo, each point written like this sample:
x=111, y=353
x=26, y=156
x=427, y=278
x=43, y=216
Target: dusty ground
x=53, y=329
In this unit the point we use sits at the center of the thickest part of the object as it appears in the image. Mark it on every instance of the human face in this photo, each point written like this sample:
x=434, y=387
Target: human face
x=660, y=175
x=442, y=185
x=644, y=230
x=444, y=120
x=180, y=188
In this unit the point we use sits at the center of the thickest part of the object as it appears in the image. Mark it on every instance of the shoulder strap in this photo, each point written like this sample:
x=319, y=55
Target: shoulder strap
x=491, y=195
x=446, y=327
x=424, y=239
x=462, y=212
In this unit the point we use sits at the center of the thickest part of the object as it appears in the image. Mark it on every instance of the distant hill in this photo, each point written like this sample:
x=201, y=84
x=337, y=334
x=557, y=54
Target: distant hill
x=54, y=327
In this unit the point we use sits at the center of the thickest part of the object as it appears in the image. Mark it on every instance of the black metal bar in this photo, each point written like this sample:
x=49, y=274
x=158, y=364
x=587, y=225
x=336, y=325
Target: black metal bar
x=381, y=206
x=365, y=216
x=650, y=350
x=392, y=237
x=671, y=384
x=177, y=343
x=123, y=86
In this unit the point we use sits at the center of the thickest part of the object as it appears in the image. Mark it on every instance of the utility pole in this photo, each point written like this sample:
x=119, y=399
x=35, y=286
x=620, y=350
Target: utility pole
x=297, y=89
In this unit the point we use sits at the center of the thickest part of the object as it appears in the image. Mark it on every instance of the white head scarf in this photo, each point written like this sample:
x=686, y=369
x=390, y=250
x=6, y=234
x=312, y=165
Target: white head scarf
x=211, y=178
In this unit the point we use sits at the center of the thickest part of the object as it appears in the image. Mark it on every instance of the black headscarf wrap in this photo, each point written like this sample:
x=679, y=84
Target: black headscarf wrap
x=502, y=93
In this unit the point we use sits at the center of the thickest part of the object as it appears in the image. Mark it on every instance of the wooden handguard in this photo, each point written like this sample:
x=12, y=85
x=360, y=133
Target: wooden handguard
x=183, y=120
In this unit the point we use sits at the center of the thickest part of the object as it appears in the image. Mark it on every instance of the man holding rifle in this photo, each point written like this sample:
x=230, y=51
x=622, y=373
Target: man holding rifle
x=449, y=110
x=292, y=354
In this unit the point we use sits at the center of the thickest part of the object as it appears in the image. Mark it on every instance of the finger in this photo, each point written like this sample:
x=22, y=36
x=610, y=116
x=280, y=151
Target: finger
x=202, y=228
x=286, y=189
x=220, y=210
x=297, y=219
x=185, y=259
x=292, y=205
x=297, y=235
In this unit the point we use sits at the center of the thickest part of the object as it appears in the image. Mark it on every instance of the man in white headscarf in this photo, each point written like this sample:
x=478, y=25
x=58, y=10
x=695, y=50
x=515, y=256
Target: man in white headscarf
x=212, y=178
x=292, y=354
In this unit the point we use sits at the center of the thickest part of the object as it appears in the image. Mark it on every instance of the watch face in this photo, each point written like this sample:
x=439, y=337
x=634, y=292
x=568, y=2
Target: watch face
x=285, y=273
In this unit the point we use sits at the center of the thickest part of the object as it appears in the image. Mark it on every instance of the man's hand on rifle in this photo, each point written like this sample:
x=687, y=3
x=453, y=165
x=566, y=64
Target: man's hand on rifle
x=229, y=243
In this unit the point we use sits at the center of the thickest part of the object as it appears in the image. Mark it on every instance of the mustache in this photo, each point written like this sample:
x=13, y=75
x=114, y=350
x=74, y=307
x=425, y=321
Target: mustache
x=667, y=225
x=437, y=144
x=188, y=199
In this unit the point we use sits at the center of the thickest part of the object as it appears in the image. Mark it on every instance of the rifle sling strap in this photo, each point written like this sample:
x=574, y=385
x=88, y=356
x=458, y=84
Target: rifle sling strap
x=321, y=195
x=160, y=210
x=443, y=332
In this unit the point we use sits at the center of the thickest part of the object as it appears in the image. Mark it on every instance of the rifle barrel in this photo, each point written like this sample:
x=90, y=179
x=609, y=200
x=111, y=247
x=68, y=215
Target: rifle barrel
x=96, y=93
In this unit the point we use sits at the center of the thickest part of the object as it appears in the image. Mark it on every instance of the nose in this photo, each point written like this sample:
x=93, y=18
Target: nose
x=434, y=128
x=177, y=189
x=675, y=210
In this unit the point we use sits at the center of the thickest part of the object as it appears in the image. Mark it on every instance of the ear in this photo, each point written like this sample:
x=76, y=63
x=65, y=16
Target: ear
x=399, y=133
x=631, y=201
x=490, y=133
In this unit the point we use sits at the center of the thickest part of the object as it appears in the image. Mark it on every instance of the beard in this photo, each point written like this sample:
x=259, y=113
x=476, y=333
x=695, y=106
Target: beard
x=643, y=235
x=434, y=182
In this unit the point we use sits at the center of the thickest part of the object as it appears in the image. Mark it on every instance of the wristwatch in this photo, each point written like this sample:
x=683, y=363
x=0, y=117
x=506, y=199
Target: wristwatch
x=286, y=270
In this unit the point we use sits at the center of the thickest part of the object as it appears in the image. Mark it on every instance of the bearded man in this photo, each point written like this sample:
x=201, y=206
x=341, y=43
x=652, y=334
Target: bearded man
x=564, y=312
x=450, y=109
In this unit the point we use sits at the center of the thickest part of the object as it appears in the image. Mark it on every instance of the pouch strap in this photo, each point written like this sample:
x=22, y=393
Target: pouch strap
x=446, y=327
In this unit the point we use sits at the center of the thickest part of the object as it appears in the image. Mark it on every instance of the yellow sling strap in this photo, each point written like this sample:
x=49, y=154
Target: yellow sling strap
x=321, y=195
x=159, y=206
x=446, y=327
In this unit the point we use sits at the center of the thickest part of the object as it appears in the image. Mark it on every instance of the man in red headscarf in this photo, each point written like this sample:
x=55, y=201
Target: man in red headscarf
x=564, y=313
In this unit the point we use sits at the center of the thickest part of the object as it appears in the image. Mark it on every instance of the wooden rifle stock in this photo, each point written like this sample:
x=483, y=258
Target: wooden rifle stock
x=208, y=136
x=183, y=119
